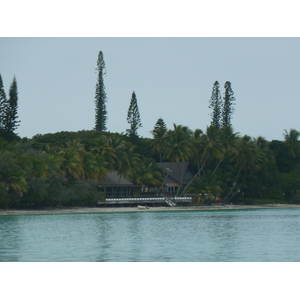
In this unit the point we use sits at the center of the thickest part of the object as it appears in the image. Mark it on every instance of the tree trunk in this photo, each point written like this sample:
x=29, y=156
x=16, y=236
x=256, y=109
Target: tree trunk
x=198, y=173
x=237, y=178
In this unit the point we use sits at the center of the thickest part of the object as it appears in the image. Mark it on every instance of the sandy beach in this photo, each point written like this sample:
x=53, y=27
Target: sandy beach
x=91, y=210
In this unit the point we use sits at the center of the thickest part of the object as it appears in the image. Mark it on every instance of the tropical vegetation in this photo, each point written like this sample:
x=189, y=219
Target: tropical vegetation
x=64, y=168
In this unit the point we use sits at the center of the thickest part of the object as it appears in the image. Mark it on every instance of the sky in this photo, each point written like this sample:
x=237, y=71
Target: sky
x=171, y=76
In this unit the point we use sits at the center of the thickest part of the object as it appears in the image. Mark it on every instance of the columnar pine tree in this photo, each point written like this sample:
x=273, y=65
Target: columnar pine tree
x=215, y=104
x=160, y=123
x=100, y=95
x=228, y=103
x=10, y=122
x=3, y=103
x=133, y=117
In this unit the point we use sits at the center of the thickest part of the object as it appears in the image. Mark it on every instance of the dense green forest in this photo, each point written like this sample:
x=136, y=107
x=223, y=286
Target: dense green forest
x=63, y=168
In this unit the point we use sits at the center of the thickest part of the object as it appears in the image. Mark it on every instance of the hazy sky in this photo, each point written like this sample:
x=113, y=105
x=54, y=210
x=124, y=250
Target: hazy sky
x=172, y=78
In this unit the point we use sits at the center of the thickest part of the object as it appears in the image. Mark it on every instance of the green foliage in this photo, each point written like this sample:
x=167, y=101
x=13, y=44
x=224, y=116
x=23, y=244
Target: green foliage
x=292, y=141
x=207, y=184
x=81, y=193
x=215, y=104
x=100, y=95
x=61, y=170
x=146, y=172
x=159, y=126
x=10, y=122
x=159, y=135
x=133, y=117
x=282, y=154
x=228, y=102
x=3, y=104
x=8, y=112
x=177, y=146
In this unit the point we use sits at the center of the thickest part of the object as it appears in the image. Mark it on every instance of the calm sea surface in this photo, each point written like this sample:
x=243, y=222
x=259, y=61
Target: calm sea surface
x=191, y=236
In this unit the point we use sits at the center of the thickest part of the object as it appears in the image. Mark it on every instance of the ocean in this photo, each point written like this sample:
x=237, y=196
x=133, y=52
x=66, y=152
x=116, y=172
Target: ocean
x=258, y=235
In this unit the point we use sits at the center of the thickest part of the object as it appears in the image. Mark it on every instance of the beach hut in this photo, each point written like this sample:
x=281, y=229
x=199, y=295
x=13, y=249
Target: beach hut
x=117, y=186
x=176, y=175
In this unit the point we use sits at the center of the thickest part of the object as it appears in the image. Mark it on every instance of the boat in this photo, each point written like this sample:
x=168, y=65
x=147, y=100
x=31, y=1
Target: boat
x=142, y=207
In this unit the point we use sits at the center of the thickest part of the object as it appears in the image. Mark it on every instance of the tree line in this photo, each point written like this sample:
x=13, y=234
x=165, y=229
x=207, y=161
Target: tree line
x=47, y=171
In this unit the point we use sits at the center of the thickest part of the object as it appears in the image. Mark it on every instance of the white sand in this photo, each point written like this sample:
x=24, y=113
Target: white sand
x=88, y=210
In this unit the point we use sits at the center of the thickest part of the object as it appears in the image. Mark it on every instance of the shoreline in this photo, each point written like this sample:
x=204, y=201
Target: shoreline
x=95, y=210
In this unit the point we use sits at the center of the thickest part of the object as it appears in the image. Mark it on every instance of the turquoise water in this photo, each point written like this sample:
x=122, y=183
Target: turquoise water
x=191, y=236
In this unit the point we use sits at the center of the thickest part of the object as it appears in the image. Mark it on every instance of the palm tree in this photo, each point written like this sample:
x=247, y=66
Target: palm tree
x=88, y=165
x=16, y=182
x=69, y=164
x=208, y=184
x=34, y=165
x=263, y=145
x=127, y=158
x=159, y=135
x=147, y=173
x=178, y=146
x=209, y=147
x=74, y=146
x=292, y=140
x=11, y=175
x=196, y=149
x=101, y=170
x=228, y=140
x=72, y=159
x=106, y=149
x=247, y=157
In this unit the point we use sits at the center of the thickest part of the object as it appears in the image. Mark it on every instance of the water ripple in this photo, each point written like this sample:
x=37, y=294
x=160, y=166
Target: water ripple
x=189, y=236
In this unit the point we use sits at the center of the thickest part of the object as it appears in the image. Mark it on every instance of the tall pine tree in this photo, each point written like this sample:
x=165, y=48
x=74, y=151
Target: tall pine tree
x=10, y=122
x=133, y=117
x=3, y=103
x=228, y=103
x=100, y=95
x=160, y=123
x=215, y=104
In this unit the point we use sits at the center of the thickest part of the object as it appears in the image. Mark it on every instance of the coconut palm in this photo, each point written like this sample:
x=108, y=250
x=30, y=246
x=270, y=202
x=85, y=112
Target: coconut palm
x=16, y=182
x=74, y=146
x=127, y=158
x=207, y=184
x=34, y=165
x=209, y=147
x=263, y=145
x=228, y=140
x=159, y=135
x=11, y=175
x=291, y=138
x=146, y=172
x=101, y=170
x=178, y=146
x=88, y=165
x=106, y=149
x=69, y=164
x=196, y=149
x=247, y=157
